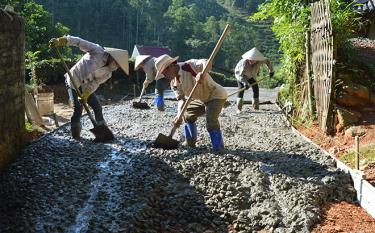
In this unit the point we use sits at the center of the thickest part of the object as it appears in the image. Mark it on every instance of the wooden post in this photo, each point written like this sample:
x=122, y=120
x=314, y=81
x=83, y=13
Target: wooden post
x=308, y=73
x=356, y=151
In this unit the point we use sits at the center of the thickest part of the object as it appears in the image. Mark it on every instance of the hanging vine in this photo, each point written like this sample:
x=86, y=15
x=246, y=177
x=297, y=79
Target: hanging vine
x=291, y=20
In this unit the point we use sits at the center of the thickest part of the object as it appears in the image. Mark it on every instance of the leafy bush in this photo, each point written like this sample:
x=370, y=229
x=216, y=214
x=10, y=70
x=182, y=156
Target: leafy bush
x=291, y=21
x=49, y=71
x=223, y=80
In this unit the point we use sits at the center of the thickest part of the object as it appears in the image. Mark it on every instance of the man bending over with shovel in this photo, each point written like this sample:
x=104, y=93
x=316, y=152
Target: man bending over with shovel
x=93, y=69
x=147, y=63
x=246, y=71
x=208, y=98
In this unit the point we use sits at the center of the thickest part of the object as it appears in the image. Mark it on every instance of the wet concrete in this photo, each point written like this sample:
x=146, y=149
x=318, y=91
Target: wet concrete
x=267, y=179
x=266, y=95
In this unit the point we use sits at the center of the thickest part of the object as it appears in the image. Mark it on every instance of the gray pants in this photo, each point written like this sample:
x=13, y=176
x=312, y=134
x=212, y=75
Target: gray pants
x=93, y=102
x=212, y=109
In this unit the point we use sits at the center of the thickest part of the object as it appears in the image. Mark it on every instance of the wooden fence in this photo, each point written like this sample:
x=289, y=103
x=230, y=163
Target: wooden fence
x=323, y=52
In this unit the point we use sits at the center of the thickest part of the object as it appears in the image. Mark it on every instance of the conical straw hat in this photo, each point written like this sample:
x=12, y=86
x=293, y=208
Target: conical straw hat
x=254, y=55
x=121, y=57
x=139, y=60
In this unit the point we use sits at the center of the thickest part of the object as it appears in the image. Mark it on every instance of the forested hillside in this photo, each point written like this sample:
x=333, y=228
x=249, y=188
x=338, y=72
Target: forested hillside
x=189, y=27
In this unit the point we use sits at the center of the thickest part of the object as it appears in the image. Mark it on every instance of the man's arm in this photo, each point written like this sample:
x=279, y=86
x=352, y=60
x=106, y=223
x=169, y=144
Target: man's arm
x=150, y=77
x=84, y=45
x=270, y=67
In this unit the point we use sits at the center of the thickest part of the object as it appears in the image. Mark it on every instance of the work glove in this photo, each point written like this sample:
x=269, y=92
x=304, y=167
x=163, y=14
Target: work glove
x=271, y=74
x=84, y=97
x=61, y=41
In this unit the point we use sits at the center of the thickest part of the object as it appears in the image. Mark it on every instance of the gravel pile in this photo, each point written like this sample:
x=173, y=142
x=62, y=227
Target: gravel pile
x=268, y=179
x=365, y=48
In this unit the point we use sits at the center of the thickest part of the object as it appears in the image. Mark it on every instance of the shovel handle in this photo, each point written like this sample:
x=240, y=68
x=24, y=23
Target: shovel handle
x=204, y=72
x=244, y=88
x=140, y=96
x=75, y=86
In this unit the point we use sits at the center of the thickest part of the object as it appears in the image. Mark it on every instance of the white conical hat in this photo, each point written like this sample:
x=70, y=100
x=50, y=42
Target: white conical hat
x=163, y=62
x=254, y=55
x=139, y=60
x=121, y=57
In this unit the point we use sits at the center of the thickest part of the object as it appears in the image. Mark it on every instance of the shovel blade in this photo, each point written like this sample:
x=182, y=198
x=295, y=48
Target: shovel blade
x=102, y=133
x=165, y=142
x=140, y=105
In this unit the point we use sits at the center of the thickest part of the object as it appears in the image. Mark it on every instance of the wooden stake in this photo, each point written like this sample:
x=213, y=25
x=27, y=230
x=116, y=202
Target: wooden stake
x=356, y=149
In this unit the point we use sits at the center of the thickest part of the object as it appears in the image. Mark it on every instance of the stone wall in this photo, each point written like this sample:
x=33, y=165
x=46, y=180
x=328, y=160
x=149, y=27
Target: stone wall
x=371, y=33
x=12, y=86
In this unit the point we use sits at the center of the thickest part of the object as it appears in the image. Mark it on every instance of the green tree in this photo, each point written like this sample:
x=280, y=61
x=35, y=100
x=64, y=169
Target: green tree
x=38, y=26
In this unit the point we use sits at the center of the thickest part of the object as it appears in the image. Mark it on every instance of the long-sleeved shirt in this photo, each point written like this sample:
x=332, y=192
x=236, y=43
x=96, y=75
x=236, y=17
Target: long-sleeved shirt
x=244, y=70
x=91, y=70
x=150, y=71
x=207, y=90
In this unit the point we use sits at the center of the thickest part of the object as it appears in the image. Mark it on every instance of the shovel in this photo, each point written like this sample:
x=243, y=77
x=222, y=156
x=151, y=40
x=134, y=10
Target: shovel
x=227, y=103
x=167, y=142
x=102, y=132
x=139, y=104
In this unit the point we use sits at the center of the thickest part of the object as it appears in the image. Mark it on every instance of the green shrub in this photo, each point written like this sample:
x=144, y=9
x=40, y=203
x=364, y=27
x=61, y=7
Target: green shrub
x=49, y=71
x=223, y=80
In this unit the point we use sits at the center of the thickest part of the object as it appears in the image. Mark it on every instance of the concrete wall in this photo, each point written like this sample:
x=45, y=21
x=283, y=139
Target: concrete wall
x=12, y=86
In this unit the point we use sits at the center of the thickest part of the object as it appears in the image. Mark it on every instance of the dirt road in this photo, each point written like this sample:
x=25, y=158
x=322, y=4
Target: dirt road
x=268, y=179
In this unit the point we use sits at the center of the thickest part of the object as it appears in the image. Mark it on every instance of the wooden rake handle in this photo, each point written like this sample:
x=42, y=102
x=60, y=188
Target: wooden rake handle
x=141, y=95
x=74, y=85
x=204, y=72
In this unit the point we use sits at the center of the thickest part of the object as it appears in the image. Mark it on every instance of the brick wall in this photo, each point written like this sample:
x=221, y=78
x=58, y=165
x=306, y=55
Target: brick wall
x=12, y=86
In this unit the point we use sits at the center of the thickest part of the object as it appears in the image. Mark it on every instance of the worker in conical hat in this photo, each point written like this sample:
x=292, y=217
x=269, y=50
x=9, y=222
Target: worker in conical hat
x=147, y=63
x=93, y=69
x=246, y=71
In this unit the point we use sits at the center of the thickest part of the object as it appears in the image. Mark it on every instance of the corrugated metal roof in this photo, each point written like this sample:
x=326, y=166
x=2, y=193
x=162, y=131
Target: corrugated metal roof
x=150, y=50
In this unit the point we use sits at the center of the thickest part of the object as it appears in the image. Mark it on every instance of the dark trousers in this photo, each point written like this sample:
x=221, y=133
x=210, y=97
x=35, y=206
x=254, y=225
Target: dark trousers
x=161, y=85
x=254, y=87
x=93, y=102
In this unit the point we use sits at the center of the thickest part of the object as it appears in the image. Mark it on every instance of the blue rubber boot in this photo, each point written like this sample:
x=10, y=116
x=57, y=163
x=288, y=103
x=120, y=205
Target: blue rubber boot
x=216, y=140
x=191, y=133
x=159, y=101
